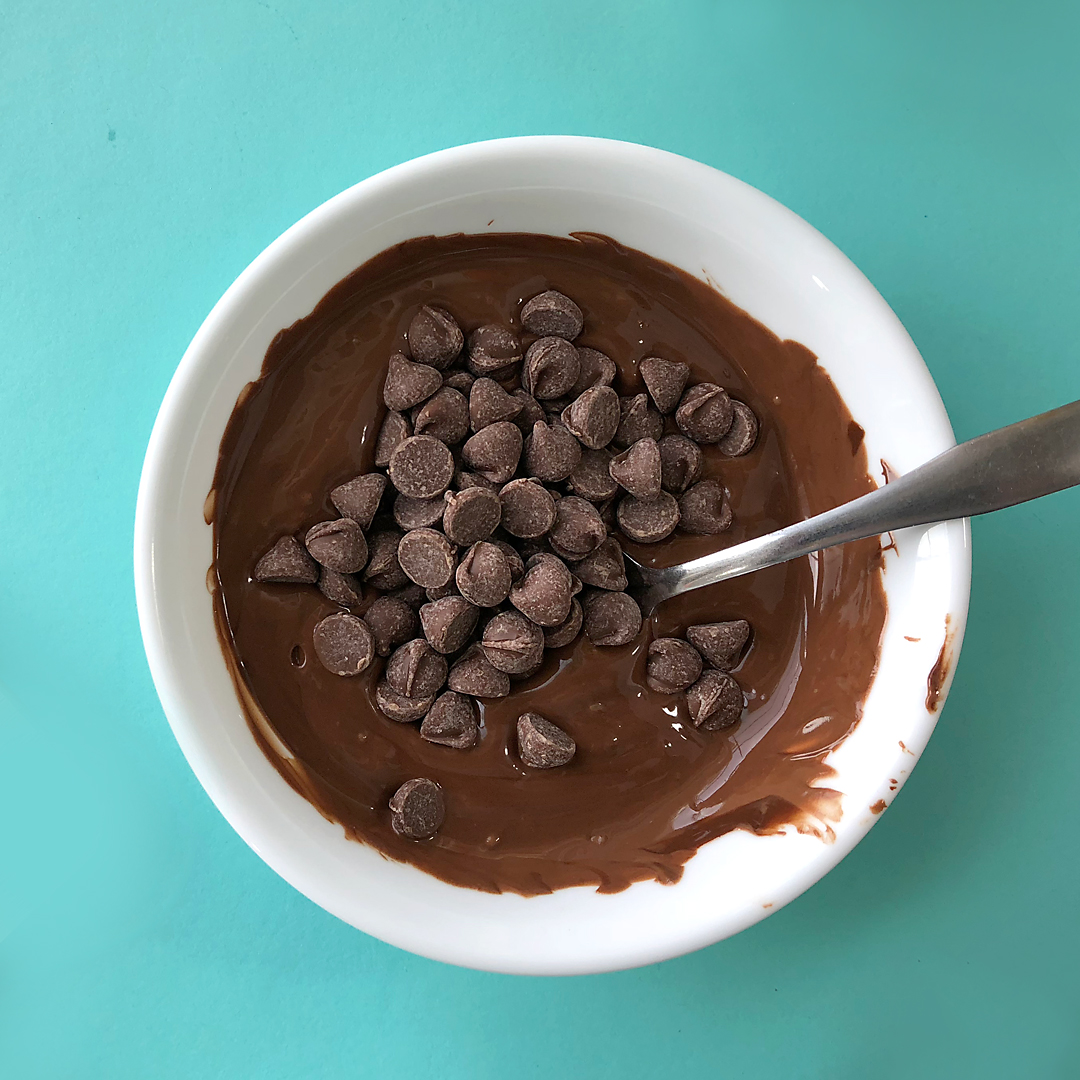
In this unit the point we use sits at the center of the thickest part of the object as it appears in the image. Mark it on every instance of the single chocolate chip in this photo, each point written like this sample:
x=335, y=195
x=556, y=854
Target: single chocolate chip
x=427, y=557
x=287, y=562
x=338, y=544
x=412, y=594
x=637, y=420
x=551, y=453
x=383, y=569
x=394, y=431
x=513, y=559
x=704, y=508
x=705, y=413
x=742, y=434
x=673, y=665
x=604, y=568
x=418, y=809
x=422, y=467
x=594, y=417
x=557, y=636
x=680, y=463
x=452, y=721
x=483, y=576
x=474, y=674
x=344, y=644
x=471, y=515
x=596, y=369
x=715, y=701
x=494, y=453
x=416, y=669
x=531, y=410
x=392, y=621
x=638, y=469
x=398, y=707
x=578, y=530
x=512, y=643
x=344, y=589
x=531, y=670
x=489, y=403
x=542, y=745
x=410, y=513
x=591, y=478
x=551, y=368
x=435, y=337
x=544, y=593
x=493, y=348
x=464, y=480
x=359, y=498
x=444, y=417
x=458, y=380
x=648, y=520
x=721, y=643
x=611, y=618
x=448, y=623
x=407, y=384
x=528, y=510
x=552, y=313
x=665, y=380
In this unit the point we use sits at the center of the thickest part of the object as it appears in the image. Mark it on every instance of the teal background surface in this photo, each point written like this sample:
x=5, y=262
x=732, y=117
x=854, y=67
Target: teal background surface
x=147, y=153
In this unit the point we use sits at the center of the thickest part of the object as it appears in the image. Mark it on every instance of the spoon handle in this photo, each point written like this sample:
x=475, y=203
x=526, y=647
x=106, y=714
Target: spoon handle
x=1011, y=465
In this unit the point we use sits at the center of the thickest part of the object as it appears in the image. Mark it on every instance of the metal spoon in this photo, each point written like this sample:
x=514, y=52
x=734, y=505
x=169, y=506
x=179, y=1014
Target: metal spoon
x=1011, y=465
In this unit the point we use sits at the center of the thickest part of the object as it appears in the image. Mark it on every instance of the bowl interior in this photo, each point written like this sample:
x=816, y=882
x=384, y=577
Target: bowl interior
x=765, y=259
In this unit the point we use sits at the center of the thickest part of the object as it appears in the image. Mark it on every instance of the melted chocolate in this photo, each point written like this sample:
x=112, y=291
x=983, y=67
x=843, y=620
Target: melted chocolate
x=646, y=789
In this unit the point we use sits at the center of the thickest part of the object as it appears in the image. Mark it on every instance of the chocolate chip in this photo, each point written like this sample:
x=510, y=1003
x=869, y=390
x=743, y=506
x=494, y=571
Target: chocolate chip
x=609, y=514
x=410, y=513
x=680, y=463
x=604, y=568
x=513, y=559
x=544, y=593
x=704, y=508
x=416, y=669
x=458, y=380
x=464, y=480
x=437, y=592
x=394, y=431
x=591, y=478
x=494, y=453
x=673, y=665
x=422, y=467
x=434, y=337
x=512, y=643
x=452, y=721
x=648, y=520
x=596, y=369
x=551, y=368
x=721, y=643
x=392, y=622
x=715, y=701
x=552, y=313
x=528, y=510
x=398, y=707
x=542, y=745
x=344, y=644
x=407, y=384
x=427, y=557
x=412, y=594
x=557, y=636
x=344, y=589
x=665, y=381
x=611, y=618
x=287, y=562
x=418, y=809
x=578, y=530
x=531, y=410
x=638, y=469
x=705, y=413
x=637, y=420
x=474, y=674
x=444, y=417
x=493, y=349
x=338, y=544
x=742, y=434
x=483, y=576
x=359, y=498
x=471, y=515
x=448, y=623
x=489, y=403
x=551, y=453
x=594, y=416
x=383, y=569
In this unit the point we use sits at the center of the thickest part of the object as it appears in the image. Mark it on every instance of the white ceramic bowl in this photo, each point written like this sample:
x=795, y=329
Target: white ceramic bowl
x=764, y=258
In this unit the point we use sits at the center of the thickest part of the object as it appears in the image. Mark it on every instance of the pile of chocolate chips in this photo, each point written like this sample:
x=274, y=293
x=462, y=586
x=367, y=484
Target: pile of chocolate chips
x=505, y=475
